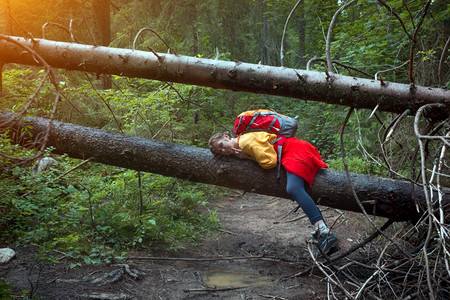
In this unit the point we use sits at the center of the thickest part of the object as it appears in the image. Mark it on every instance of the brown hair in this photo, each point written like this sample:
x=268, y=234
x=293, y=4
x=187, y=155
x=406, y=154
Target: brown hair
x=212, y=143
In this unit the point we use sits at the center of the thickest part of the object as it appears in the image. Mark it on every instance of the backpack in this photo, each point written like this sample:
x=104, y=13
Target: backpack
x=271, y=122
x=265, y=120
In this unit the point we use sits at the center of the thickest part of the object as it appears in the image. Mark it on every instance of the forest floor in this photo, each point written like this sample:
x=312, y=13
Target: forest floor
x=260, y=246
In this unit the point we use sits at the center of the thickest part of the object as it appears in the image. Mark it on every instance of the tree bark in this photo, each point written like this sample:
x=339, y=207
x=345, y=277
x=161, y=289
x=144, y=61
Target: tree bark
x=382, y=197
x=102, y=31
x=102, y=22
x=10, y=21
x=236, y=76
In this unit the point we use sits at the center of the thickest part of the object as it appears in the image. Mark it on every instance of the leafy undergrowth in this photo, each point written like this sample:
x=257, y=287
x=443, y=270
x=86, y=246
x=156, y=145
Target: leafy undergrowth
x=97, y=212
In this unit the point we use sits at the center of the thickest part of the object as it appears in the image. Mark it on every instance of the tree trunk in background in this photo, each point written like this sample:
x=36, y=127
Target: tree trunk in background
x=383, y=197
x=102, y=21
x=9, y=15
x=102, y=31
x=265, y=55
x=195, y=52
x=235, y=76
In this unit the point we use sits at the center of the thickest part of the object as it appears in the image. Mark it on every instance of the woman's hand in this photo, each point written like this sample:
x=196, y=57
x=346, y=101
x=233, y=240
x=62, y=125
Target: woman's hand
x=243, y=155
x=237, y=151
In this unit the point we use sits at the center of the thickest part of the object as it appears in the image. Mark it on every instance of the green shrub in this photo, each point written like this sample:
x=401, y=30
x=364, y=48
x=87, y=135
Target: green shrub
x=5, y=289
x=94, y=212
x=356, y=165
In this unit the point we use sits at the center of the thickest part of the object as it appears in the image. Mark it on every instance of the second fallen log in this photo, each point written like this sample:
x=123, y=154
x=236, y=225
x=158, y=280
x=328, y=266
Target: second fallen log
x=382, y=197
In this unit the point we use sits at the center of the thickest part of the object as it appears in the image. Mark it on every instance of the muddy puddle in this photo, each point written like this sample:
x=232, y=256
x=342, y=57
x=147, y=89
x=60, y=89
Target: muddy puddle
x=227, y=279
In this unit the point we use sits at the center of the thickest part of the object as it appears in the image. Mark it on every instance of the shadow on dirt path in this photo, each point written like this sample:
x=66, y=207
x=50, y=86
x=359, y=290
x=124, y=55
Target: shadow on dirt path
x=260, y=245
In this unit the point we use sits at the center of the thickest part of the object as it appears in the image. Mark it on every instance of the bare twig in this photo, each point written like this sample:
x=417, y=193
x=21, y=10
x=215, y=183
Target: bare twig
x=284, y=31
x=308, y=66
x=370, y=238
x=104, y=101
x=272, y=297
x=387, y=70
x=397, y=16
x=443, y=233
x=387, y=136
x=74, y=39
x=149, y=29
x=30, y=101
x=214, y=289
x=444, y=139
x=27, y=33
x=69, y=31
x=49, y=73
x=260, y=257
x=405, y=4
x=428, y=196
x=352, y=188
x=330, y=30
x=332, y=278
x=88, y=27
x=349, y=251
x=76, y=167
x=35, y=55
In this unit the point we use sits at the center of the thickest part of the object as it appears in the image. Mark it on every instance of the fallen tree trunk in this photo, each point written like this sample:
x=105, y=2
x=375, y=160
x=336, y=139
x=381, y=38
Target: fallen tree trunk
x=236, y=76
x=382, y=197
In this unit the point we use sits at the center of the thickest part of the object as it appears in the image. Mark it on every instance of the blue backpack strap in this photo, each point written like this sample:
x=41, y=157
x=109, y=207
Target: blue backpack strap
x=239, y=124
x=255, y=115
x=280, y=149
x=272, y=123
x=275, y=140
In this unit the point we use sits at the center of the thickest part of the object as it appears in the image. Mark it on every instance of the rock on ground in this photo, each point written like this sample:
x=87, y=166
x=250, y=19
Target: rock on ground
x=6, y=254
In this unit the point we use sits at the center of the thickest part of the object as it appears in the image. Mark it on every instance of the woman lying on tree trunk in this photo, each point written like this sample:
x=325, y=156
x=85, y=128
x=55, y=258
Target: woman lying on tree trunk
x=301, y=161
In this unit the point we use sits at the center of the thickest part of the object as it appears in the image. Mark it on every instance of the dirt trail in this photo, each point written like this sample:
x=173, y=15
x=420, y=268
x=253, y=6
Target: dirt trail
x=263, y=235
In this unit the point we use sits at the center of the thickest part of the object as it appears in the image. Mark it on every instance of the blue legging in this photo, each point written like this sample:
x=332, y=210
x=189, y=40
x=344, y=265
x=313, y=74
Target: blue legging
x=296, y=188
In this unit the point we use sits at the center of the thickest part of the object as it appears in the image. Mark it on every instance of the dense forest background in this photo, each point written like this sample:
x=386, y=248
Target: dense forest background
x=95, y=212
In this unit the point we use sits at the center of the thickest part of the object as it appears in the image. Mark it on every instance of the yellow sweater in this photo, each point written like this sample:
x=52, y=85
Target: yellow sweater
x=257, y=145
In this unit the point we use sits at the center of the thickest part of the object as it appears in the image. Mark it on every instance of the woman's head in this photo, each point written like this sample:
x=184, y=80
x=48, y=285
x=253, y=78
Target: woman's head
x=222, y=143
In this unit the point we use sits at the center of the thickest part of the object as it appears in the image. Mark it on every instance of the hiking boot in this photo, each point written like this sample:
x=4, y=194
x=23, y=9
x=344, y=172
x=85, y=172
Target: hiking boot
x=324, y=239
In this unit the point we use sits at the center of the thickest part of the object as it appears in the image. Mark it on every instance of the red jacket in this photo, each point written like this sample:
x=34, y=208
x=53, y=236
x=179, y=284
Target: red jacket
x=298, y=157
